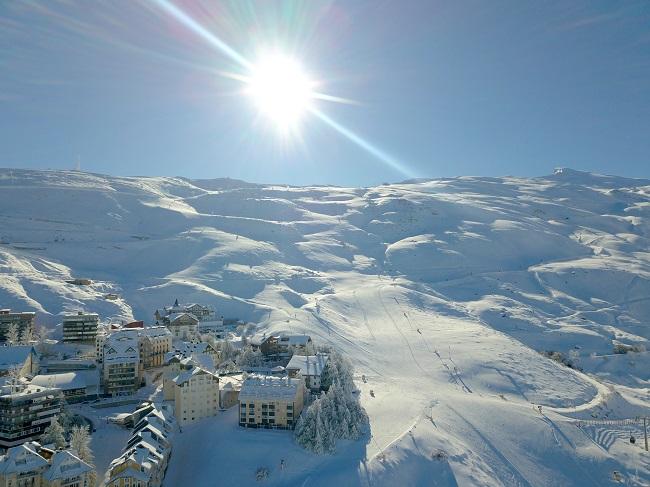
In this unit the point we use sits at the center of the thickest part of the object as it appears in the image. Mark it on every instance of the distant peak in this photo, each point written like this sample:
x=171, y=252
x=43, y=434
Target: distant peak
x=565, y=171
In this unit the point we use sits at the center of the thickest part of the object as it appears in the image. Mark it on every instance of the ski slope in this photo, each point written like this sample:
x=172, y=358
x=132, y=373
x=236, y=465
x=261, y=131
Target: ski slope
x=442, y=293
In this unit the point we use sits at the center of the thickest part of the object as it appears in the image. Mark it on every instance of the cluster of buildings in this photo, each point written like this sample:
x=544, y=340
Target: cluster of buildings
x=144, y=459
x=187, y=321
x=33, y=465
x=113, y=363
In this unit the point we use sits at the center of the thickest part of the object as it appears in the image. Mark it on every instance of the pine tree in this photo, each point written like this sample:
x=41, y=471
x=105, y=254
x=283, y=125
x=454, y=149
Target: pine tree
x=80, y=443
x=54, y=434
x=335, y=414
x=13, y=334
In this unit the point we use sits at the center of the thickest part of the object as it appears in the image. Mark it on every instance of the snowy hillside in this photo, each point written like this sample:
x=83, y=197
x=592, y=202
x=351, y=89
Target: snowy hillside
x=442, y=292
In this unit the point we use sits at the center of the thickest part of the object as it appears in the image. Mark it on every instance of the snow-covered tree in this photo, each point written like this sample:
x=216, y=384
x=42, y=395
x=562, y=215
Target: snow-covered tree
x=314, y=431
x=249, y=357
x=54, y=434
x=80, y=443
x=336, y=414
x=13, y=334
x=27, y=335
x=338, y=370
x=40, y=335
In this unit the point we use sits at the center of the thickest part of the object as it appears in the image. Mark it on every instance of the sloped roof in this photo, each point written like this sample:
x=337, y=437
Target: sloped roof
x=11, y=462
x=156, y=331
x=64, y=465
x=177, y=316
x=14, y=355
x=186, y=375
x=308, y=364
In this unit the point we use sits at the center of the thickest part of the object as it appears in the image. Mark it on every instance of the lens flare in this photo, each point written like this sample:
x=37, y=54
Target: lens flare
x=280, y=90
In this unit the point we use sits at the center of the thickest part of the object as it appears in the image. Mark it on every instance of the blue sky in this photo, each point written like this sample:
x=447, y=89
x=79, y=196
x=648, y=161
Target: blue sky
x=440, y=88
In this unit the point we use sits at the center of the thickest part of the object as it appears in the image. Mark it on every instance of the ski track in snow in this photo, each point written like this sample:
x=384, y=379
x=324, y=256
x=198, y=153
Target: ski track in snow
x=409, y=280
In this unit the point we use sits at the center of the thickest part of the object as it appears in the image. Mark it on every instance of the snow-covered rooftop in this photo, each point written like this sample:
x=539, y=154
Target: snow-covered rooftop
x=295, y=340
x=312, y=365
x=156, y=331
x=186, y=375
x=174, y=317
x=69, y=380
x=269, y=387
x=21, y=458
x=14, y=355
x=64, y=465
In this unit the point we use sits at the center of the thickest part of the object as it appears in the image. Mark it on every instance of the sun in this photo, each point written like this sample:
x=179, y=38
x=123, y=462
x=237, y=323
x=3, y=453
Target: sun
x=280, y=90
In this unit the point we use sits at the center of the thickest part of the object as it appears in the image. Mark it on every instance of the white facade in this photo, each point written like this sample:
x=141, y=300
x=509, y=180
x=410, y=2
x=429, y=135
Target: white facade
x=309, y=367
x=184, y=326
x=196, y=395
x=122, y=368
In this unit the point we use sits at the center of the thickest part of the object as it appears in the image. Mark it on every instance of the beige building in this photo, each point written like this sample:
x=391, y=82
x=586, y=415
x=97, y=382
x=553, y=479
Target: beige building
x=30, y=465
x=196, y=395
x=271, y=402
x=146, y=454
x=22, y=465
x=155, y=342
x=67, y=470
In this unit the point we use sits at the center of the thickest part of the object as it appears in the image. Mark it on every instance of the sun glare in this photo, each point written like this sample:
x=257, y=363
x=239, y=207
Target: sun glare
x=280, y=90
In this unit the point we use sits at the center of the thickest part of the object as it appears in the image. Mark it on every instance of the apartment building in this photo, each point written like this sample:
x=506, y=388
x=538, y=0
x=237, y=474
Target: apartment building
x=80, y=327
x=25, y=411
x=155, y=343
x=271, y=402
x=196, y=395
x=121, y=366
x=23, y=321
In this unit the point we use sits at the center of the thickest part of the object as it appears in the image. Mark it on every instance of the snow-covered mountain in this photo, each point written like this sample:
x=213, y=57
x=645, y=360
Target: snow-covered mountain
x=442, y=292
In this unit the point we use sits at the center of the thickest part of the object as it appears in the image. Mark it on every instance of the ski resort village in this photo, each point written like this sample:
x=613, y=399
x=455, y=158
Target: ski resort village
x=148, y=382
x=450, y=332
